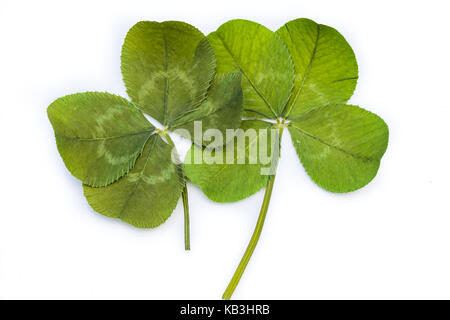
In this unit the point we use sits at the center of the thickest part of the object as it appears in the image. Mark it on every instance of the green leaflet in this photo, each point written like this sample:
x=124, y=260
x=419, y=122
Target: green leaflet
x=340, y=146
x=325, y=66
x=167, y=68
x=265, y=64
x=225, y=182
x=99, y=135
x=147, y=195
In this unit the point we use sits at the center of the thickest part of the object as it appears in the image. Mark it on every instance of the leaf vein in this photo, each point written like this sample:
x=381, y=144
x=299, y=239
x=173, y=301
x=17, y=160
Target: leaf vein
x=308, y=69
x=333, y=146
x=166, y=84
x=106, y=138
x=247, y=77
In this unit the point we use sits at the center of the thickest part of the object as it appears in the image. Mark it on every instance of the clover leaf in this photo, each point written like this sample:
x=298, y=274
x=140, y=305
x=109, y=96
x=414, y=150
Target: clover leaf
x=300, y=76
x=127, y=165
x=99, y=135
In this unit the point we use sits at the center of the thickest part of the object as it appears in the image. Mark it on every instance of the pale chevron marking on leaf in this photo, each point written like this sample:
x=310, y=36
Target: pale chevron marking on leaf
x=147, y=195
x=137, y=179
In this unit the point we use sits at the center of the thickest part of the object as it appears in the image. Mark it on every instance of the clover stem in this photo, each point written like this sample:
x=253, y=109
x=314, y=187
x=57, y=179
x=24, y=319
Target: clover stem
x=187, y=244
x=254, y=240
x=184, y=195
x=256, y=233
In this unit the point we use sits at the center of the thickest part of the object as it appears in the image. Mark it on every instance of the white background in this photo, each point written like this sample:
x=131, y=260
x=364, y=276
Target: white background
x=388, y=240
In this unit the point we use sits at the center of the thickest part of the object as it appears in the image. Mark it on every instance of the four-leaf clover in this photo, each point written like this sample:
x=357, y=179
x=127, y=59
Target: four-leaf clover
x=128, y=167
x=298, y=78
